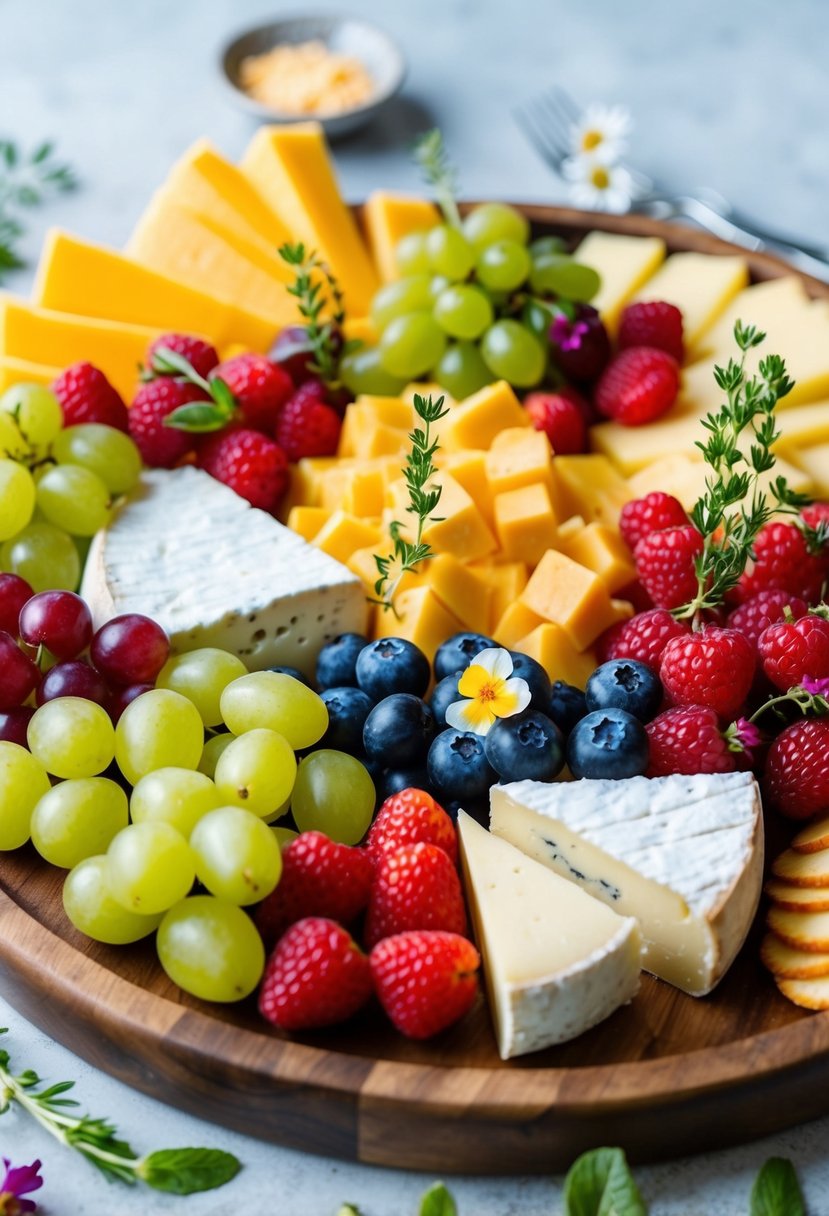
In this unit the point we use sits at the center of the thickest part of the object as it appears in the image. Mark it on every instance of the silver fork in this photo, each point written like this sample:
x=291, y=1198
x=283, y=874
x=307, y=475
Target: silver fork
x=548, y=120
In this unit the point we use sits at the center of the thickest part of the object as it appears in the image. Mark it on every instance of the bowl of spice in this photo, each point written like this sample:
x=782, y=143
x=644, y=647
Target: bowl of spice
x=338, y=71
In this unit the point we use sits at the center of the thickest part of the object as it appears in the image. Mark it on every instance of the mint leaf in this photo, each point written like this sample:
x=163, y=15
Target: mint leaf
x=348, y=1209
x=183, y=1171
x=437, y=1202
x=599, y=1183
x=198, y=418
x=776, y=1191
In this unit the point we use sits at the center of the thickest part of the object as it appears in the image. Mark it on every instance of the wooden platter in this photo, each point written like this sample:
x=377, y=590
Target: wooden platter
x=665, y=1076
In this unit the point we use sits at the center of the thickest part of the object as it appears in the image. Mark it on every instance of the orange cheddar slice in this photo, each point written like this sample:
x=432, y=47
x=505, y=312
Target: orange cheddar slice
x=390, y=217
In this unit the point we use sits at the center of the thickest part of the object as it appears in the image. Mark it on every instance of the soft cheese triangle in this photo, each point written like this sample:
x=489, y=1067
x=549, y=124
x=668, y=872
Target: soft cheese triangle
x=683, y=854
x=556, y=961
x=214, y=571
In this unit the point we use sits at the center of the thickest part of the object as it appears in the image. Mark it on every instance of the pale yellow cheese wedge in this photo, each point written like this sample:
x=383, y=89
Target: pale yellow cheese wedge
x=787, y=963
x=803, y=869
x=801, y=930
x=767, y=305
x=686, y=478
x=813, y=838
x=815, y=463
x=809, y=994
x=797, y=899
x=19, y=371
x=801, y=339
x=700, y=285
x=624, y=264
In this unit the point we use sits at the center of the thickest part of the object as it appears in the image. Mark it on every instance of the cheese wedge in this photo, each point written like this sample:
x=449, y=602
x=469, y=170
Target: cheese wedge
x=766, y=305
x=809, y=994
x=814, y=461
x=701, y=286
x=797, y=899
x=813, y=838
x=624, y=264
x=790, y=964
x=684, y=855
x=556, y=962
x=390, y=217
x=16, y=371
x=803, y=869
x=801, y=930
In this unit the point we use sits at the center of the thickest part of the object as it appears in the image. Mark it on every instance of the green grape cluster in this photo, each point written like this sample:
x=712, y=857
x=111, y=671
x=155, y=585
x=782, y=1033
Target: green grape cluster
x=57, y=486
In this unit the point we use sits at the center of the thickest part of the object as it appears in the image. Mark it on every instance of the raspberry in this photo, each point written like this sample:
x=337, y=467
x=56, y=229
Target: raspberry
x=425, y=980
x=317, y=976
x=416, y=887
x=199, y=354
x=85, y=395
x=319, y=878
x=764, y=609
x=665, y=565
x=782, y=560
x=638, y=386
x=308, y=427
x=250, y=463
x=797, y=769
x=815, y=514
x=791, y=650
x=687, y=739
x=714, y=668
x=408, y=817
x=561, y=420
x=652, y=323
x=653, y=513
x=645, y=636
x=580, y=348
x=260, y=388
x=161, y=446
x=636, y=596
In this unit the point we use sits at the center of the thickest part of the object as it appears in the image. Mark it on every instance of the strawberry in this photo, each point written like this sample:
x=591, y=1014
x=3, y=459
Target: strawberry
x=765, y=608
x=260, y=388
x=783, y=559
x=653, y=513
x=792, y=650
x=687, y=739
x=319, y=878
x=85, y=395
x=652, y=323
x=713, y=668
x=639, y=385
x=425, y=980
x=199, y=354
x=308, y=427
x=645, y=636
x=249, y=462
x=560, y=418
x=416, y=887
x=581, y=347
x=161, y=446
x=665, y=565
x=796, y=775
x=408, y=817
x=317, y=976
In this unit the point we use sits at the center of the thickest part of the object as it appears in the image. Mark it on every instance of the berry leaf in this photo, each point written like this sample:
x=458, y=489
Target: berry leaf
x=437, y=1201
x=198, y=418
x=599, y=1183
x=776, y=1190
x=184, y=1171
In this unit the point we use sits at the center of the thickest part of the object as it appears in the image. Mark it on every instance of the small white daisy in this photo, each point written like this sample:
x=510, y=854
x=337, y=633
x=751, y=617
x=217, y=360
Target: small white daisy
x=491, y=690
x=597, y=186
x=601, y=133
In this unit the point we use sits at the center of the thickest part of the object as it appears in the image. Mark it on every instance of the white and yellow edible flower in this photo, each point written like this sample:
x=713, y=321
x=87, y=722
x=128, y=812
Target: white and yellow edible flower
x=491, y=692
x=598, y=186
x=601, y=133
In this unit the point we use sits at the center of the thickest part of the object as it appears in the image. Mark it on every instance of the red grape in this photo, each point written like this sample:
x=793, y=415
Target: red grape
x=14, y=591
x=14, y=724
x=58, y=620
x=73, y=679
x=119, y=700
x=293, y=352
x=130, y=649
x=19, y=676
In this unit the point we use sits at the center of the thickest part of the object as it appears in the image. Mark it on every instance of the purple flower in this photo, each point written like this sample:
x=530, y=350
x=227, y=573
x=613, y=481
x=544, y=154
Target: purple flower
x=567, y=334
x=19, y=1180
x=817, y=688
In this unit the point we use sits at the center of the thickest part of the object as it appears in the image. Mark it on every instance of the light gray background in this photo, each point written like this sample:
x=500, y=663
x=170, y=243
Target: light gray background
x=729, y=95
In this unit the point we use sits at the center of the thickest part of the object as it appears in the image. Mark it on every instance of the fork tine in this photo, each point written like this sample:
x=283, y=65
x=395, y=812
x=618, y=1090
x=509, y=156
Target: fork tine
x=560, y=115
x=566, y=103
x=545, y=137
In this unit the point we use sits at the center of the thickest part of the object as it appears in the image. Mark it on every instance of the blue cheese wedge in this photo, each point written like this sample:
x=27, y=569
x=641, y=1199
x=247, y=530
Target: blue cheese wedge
x=214, y=571
x=555, y=960
x=684, y=855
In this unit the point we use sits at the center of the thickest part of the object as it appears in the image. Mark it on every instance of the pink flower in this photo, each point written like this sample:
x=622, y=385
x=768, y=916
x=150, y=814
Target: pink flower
x=567, y=334
x=19, y=1180
x=817, y=688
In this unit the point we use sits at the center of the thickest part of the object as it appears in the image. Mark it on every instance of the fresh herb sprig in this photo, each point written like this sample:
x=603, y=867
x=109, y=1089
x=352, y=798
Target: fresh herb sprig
x=26, y=181
x=738, y=451
x=196, y=417
x=179, y=1171
x=439, y=173
x=321, y=304
x=424, y=496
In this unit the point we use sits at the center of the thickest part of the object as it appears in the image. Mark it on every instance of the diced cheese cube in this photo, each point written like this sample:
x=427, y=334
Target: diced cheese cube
x=700, y=285
x=516, y=621
x=525, y=523
x=334, y=483
x=365, y=492
x=570, y=528
x=550, y=646
x=423, y=619
x=475, y=422
x=344, y=533
x=461, y=590
x=590, y=485
x=469, y=470
x=602, y=549
x=624, y=264
x=306, y=479
x=507, y=580
x=388, y=218
x=365, y=436
x=462, y=530
x=362, y=563
x=307, y=521
x=568, y=594
x=519, y=456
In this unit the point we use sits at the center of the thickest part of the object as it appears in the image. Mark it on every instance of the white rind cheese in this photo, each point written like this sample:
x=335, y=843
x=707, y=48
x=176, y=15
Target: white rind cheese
x=214, y=571
x=556, y=962
x=683, y=854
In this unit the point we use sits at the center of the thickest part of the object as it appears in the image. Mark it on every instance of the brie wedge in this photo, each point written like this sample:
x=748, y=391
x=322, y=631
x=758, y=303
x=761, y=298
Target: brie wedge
x=556, y=962
x=684, y=855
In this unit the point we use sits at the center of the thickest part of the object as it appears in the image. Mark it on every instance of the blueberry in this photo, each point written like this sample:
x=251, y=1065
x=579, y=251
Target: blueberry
x=526, y=747
x=348, y=709
x=457, y=652
x=399, y=730
x=608, y=743
x=442, y=696
x=392, y=665
x=458, y=767
x=567, y=706
x=625, y=684
x=393, y=781
x=337, y=660
x=537, y=680
x=293, y=671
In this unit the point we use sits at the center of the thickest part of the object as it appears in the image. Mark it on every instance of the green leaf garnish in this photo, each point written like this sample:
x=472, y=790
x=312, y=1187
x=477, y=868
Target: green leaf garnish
x=320, y=303
x=430, y=154
x=26, y=181
x=599, y=1183
x=776, y=1190
x=184, y=1171
x=437, y=1201
x=196, y=417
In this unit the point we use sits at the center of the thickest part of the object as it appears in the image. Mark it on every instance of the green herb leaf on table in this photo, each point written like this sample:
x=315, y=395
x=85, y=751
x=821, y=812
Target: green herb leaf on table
x=438, y=172
x=437, y=1201
x=776, y=1190
x=184, y=1171
x=321, y=305
x=348, y=1209
x=599, y=1183
x=26, y=181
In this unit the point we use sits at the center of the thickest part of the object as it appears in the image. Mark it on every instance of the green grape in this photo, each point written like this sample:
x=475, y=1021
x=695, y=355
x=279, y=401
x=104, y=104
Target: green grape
x=503, y=266
x=437, y=285
x=211, y=751
x=283, y=704
x=538, y=317
x=333, y=794
x=23, y=782
x=75, y=498
x=72, y=737
x=45, y=556
x=257, y=772
x=543, y=245
x=450, y=253
x=91, y=909
x=211, y=949
x=463, y=311
x=462, y=370
x=178, y=796
x=150, y=867
x=12, y=443
x=103, y=450
x=37, y=412
x=512, y=353
x=17, y=498
x=491, y=222
x=362, y=372
x=283, y=836
x=159, y=729
x=412, y=344
x=410, y=254
x=202, y=676
x=77, y=819
x=557, y=274
x=399, y=297
x=237, y=855
x=279, y=812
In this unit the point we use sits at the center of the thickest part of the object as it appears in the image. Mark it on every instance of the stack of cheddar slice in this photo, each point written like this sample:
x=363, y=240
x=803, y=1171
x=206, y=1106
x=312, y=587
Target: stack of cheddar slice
x=796, y=949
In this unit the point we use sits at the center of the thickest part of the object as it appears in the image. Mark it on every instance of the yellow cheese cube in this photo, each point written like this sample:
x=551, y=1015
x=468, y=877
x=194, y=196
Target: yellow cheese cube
x=519, y=456
x=569, y=528
x=602, y=550
x=364, y=435
x=305, y=489
x=17, y=371
x=624, y=264
x=475, y=422
x=462, y=530
x=525, y=523
x=307, y=521
x=700, y=285
x=360, y=329
x=365, y=491
x=424, y=620
x=334, y=485
x=507, y=580
x=815, y=463
x=568, y=594
x=344, y=533
x=461, y=590
x=550, y=646
x=388, y=218
x=362, y=563
x=516, y=621
x=591, y=486
x=469, y=469
x=394, y=411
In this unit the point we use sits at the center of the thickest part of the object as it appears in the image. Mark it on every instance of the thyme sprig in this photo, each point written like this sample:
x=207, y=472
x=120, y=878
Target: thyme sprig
x=439, y=173
x=734, y=508
x=321, y=304
x=26, y=181
x=424, y=496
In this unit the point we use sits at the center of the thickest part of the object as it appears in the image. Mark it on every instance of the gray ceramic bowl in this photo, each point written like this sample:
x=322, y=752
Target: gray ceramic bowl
x=346, y=35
